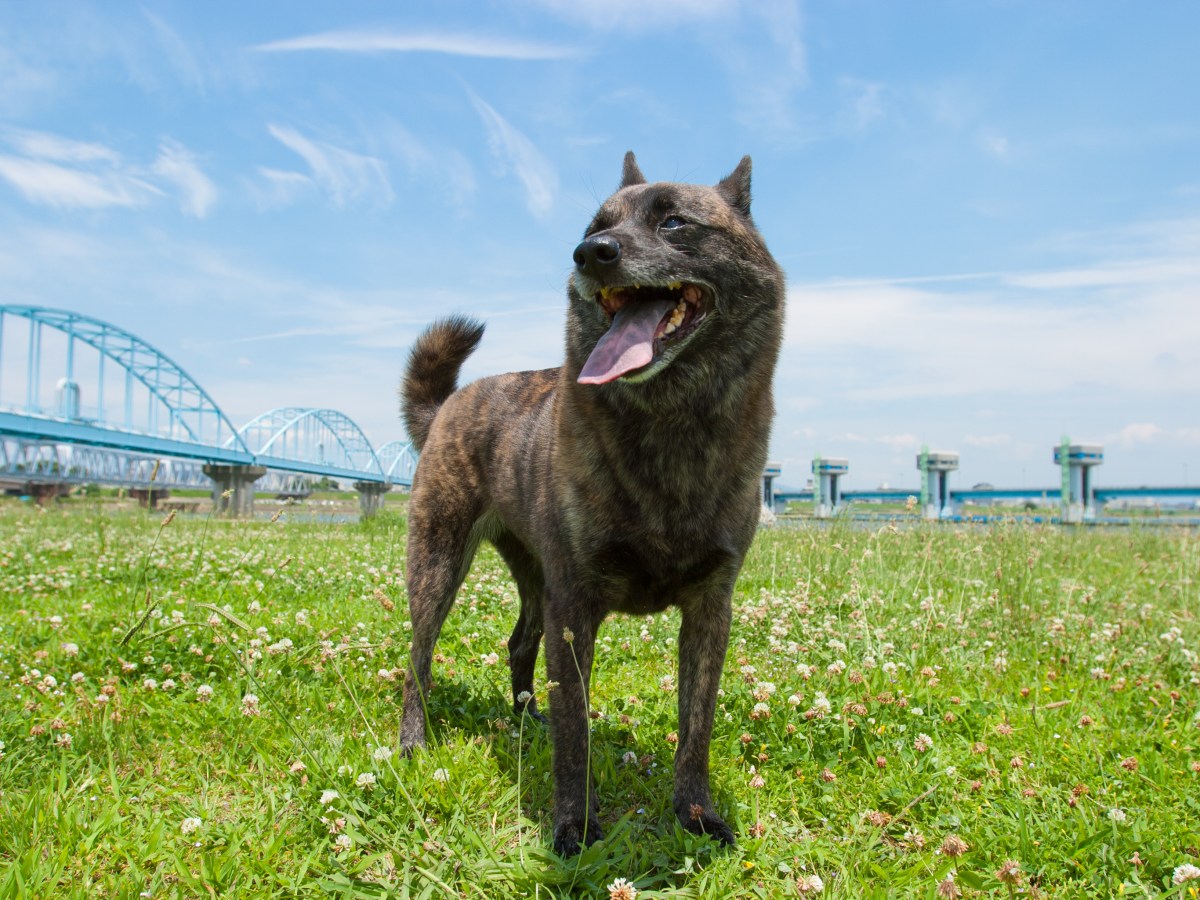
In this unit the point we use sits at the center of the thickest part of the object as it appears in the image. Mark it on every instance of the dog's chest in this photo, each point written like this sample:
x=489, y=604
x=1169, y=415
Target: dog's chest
x=646, y=577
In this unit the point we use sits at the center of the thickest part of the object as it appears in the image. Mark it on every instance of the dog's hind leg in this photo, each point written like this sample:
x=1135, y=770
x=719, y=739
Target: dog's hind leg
x=442, y=542
x=527, y=635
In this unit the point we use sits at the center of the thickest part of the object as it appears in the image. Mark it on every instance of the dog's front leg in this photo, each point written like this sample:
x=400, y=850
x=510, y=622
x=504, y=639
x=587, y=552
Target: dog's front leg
x=570, y=639
x=703, y=637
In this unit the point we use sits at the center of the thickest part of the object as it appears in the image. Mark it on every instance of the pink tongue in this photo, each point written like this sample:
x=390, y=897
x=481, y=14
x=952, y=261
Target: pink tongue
x=628, y=344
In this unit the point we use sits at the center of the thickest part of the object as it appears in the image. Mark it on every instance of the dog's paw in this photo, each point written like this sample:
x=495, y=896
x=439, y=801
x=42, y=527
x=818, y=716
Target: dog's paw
x=570, y=837
x=699, y=820
x=520, y=709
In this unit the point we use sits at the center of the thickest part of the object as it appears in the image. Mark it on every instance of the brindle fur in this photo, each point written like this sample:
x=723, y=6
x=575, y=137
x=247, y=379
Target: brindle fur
x=625, y=496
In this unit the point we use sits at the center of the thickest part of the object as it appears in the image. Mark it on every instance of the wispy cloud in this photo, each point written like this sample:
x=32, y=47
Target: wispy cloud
x=52, y=170
x=513, y=150
x=178, y=53
x=637, y=15
x=380, y=41
x=345, y=176
x=277, y=188
x=59, y=149
x=50, y=184
x=1006, y=334
x=177, y=166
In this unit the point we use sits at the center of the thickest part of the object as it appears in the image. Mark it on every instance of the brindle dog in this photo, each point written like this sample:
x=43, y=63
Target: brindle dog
x=625, y=480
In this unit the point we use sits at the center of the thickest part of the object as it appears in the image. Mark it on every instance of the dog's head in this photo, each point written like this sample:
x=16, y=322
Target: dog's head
x=667, y=273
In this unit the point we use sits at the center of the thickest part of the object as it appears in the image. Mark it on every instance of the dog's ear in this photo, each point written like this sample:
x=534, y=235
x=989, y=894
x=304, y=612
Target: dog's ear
x=630, y=173
x=735, y=187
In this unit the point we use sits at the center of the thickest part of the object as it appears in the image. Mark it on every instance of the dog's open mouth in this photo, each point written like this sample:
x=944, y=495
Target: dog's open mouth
x=649, y=325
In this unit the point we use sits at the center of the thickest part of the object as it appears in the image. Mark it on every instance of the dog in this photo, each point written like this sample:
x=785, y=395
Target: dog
x=628, y=479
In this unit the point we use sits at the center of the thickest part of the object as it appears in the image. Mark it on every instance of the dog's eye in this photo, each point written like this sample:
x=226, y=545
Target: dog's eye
x=672, y=222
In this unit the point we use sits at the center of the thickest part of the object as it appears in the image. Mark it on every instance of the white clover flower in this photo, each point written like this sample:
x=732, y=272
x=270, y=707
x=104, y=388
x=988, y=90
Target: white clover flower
x=168, y=684
x=328, y=797
x=1186, y=872
x=254, y=607
x=524, y=697
x=78, y=677
x=187, y=826
x=622, y=890
x=491, y=659
x=821, y=704
x=70, y=649
x=923, y=742
x=794, y=700
x=386, y=675
x=1117, y=815
x=810, y=884
x=250, y=705
x=150, y=684
x=366, y=780
x=383, y=754
x=204, y=693
x=442, y=775
x=343, y=842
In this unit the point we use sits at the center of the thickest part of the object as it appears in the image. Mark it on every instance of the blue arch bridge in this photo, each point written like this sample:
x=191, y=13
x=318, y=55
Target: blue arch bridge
x=85, y=402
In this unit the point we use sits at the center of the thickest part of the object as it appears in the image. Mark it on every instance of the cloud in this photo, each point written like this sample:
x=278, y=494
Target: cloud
x=57, y=171
x=59, y=149
x=1138, y=433
x=278, y=188
x=22, y=85
x=50, y=184
x=445, y=164
x=1021, y=333
x=513, y=150
x=418, y=42
x=177, y=166
x=637, y=15
x=343, y=175
x=178, y=53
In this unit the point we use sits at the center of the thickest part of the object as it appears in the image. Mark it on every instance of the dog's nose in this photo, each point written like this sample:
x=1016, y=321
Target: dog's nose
x=596, y=253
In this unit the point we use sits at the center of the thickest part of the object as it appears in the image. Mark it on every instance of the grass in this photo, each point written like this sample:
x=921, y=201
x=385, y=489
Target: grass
x=1033, y=691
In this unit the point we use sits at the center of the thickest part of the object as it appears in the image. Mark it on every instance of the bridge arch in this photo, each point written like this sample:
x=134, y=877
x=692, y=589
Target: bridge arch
x=399, y=460
x=192, y=415
x=322, y=441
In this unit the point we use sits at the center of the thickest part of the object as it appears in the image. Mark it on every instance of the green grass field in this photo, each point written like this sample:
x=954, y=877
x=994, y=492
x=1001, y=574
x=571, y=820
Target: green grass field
x=201, y=708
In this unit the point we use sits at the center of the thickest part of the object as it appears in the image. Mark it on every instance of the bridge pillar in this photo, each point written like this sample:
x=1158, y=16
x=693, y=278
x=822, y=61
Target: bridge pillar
x=827, y=492
x=770, y=473
x=148, y=498
x=233, y=490
x=370, y=496
x=935, y=467
x=1078, y=493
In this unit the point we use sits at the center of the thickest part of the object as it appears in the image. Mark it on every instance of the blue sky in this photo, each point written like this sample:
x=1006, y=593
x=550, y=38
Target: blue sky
x=989, y=212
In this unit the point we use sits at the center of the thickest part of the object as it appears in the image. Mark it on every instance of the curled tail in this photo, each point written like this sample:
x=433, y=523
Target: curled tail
x=432, y=372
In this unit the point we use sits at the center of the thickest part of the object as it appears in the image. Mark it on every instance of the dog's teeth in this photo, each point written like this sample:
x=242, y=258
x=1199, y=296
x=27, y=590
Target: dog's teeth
x=671, y=326
x=674, y=285
x=691, y=294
